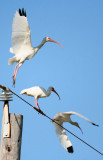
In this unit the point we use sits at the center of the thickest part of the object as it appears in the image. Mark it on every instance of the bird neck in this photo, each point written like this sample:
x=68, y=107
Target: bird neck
x=49, y=91
x=41, y=44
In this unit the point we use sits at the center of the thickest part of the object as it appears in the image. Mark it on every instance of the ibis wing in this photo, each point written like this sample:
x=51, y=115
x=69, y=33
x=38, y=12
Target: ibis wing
x=63, y=138
x=75, y=113
x=21, y=36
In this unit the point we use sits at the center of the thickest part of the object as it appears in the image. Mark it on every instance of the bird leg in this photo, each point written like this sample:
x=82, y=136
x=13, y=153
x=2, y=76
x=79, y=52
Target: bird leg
x=36, y=102
x=15, y=74
x=38, y=109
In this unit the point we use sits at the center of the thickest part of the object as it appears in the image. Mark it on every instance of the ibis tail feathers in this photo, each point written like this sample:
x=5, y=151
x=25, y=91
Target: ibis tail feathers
x=11, y=60
x=23, y=92
x=11, y=50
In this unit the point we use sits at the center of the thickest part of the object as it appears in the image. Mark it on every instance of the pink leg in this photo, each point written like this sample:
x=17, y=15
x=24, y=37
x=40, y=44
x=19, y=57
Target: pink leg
x=15, y=70
x=15, y=73
x=36, y=102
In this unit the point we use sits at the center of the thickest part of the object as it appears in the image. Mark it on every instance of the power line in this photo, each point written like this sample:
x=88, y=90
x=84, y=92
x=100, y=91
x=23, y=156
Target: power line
x=41, y=112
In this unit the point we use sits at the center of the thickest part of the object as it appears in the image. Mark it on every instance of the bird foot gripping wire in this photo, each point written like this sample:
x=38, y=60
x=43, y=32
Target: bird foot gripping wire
x=39, y=111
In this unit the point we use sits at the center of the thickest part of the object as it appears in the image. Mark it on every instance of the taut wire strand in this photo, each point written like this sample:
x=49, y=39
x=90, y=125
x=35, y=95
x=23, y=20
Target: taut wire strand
x=41, y=112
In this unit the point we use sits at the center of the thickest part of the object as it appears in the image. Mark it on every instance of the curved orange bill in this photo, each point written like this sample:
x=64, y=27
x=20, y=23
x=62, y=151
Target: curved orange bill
x=80, y=129
x=54, y=42
x=56, y=93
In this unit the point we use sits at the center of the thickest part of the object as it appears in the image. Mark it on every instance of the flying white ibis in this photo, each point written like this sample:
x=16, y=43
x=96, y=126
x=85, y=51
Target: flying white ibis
x=21, y=41
x=38, y=92
x=65, y=117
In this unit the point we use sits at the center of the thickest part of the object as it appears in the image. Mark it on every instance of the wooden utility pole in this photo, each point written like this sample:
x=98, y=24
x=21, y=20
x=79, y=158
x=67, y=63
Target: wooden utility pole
x=11, y=135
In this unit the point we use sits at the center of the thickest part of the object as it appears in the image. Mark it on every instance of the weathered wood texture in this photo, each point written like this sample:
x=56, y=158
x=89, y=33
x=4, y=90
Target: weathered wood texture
x=6, y=132
x=11, y=147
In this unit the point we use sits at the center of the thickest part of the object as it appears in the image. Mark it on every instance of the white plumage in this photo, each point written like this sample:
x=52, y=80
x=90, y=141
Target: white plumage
x=21, y=41
x=38, y=92
x=60, y=118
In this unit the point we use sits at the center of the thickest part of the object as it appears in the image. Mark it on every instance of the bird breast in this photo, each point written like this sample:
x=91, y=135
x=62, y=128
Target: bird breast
x=31, y=53
x=26, y=54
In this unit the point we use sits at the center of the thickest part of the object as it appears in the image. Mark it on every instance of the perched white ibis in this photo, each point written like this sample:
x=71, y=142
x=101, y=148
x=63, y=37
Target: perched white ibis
x=38, y=92
x=21, y=41
x=65, y=117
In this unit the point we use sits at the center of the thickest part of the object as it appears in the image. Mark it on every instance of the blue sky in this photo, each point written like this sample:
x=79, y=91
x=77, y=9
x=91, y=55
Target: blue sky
x=76, y=72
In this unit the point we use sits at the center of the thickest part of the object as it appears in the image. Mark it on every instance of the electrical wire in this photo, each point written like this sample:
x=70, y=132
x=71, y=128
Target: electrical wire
x=41, y=112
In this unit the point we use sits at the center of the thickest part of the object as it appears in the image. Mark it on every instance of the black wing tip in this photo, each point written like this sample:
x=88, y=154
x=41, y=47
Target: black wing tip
x=95, y=124
x=70, y=149
x=22, y=12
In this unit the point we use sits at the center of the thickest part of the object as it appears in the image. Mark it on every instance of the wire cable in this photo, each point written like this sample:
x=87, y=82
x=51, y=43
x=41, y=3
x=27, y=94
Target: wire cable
x=41, y=112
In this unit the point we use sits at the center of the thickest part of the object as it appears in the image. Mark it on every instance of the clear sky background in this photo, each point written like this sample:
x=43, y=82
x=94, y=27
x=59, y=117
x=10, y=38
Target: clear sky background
x=76, y=73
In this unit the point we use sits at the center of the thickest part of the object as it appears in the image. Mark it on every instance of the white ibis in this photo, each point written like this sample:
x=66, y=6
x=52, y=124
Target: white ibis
x=21, y=41
x=65, y=117
x=38, y=92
